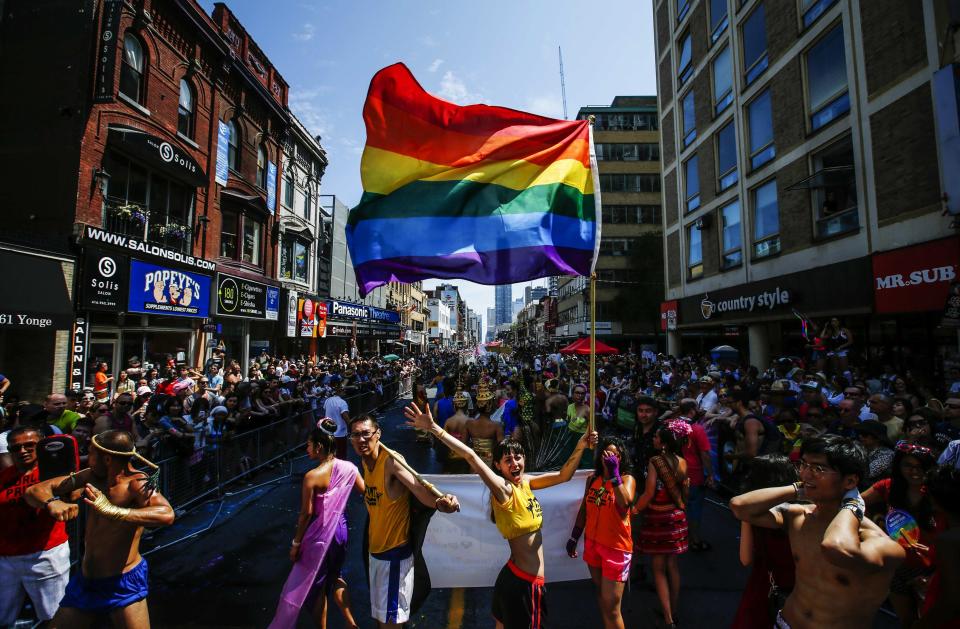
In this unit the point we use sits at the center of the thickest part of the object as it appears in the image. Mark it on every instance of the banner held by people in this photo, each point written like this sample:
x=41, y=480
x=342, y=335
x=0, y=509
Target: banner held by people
x=482, y=193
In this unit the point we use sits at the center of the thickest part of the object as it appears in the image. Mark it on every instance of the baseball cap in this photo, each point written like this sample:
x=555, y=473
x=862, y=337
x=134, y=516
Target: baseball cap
x=144, y=390
x=780, y=385
x=706, y=380
x=216, y=410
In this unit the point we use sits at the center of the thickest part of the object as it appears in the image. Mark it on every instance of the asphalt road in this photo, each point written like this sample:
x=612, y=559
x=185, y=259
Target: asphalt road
x=231, y=572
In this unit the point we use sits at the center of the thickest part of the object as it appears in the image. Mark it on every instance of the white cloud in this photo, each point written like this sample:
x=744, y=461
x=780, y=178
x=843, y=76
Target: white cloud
x=305, y=105
x=435, y=65
x=453, y=89
x=428, y=41
x=549, y=105
x=305, y=34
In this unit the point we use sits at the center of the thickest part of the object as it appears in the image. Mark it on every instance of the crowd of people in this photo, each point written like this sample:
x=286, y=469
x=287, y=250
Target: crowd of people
x=119, y=426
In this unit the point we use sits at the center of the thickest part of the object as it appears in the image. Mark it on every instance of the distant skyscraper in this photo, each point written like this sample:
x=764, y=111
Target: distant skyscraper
x=503, y=296
x=517, y=307
x=533, y=293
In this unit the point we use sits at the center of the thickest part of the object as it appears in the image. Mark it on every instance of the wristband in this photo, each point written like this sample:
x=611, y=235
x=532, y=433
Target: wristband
x=49, y=500
x=799, y=493
x=616, y=481
x=440, y=432
x=853, y=507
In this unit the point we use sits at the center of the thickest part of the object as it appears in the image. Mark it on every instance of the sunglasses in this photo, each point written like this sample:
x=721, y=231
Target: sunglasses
x=28, y=447
x=912, y=448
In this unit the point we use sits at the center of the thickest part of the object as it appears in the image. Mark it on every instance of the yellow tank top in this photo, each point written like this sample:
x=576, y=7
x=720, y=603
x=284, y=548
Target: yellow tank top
x=520, y=514
x=389, y=519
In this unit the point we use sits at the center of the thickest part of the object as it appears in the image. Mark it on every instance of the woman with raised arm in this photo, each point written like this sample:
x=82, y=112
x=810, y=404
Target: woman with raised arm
x=519, y=590
x=319, y=545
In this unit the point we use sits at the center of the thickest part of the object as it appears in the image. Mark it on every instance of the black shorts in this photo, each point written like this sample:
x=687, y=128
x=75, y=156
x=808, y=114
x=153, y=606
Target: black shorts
x=518, y=599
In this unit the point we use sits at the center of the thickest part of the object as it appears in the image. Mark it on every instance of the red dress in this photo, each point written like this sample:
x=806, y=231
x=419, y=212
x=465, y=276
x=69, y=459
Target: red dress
x=772, y=558
x=663, y=529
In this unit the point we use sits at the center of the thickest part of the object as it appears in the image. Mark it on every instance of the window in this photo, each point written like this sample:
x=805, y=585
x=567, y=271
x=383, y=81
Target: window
x=760, y=120
x=766, y=220
x=624, y=122
x=683, y=7
x=755, y=44
x=630, y=183
x=262, y=166
x=718, y=19
x=646, y=152
x=631, y=214
x=727, y=156
x=834, y=190
x=246, y=229
x=813, y=9
x=148, y=205
x=730, y=234
x=228, y=234
x=694, y=252
x=252, y=229
x=685, y=63
x=294, y=259
x=617, y=246
x=307, y=202
x=691, y=179
x=234, y=153
x=827, y=79
x=185, y=110
x=722, y=81
x=689, y=120
x=131, y=69
x=288, y=187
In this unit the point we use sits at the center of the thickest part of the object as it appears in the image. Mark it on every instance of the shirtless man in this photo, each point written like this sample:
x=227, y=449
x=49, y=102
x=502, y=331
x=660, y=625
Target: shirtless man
x=113, y=577
x=844, y=562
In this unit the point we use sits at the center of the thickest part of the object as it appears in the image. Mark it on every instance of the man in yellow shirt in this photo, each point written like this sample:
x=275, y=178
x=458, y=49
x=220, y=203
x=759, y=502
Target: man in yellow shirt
x=388, y=490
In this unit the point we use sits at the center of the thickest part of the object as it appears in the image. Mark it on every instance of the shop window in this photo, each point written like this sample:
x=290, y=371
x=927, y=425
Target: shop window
x=718, y=19
x=233, y=155
x=228, y=234
x=295, y=259
x=834, y=190
x=185, y=109
x=689, y=120
x=732, y=254
x=262, y=166
x=760, y=119
x=288, y=188
x=813, y=9
x=722, y=81
x=766, y=220
x=694, y=252
x=241, y=237
x=685, y=62
x=132, y=69
x=727, y=156
x=630, y=183
x=827, y=94
x=683, y=8
x=755, y=44
x=147, y=205
x=691, y=183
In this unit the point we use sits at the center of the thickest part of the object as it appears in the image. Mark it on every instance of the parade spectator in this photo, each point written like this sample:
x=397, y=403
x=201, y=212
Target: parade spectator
x=34, y=553
x=881, y=406
x=696, y=452
x=82, y=432
x=118, y=418
x=873, y=437
x=124, y=384
x=941, y=607
x=337, y=409
x=56, y=415
x=101, y=383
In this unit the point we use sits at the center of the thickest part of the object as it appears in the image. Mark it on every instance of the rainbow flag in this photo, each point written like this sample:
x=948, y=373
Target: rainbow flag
x=487, y=194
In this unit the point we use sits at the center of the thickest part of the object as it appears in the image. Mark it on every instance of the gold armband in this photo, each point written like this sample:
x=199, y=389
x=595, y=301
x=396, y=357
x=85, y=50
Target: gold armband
x=110, y=510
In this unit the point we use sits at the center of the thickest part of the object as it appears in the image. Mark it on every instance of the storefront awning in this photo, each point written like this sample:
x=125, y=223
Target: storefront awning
x=35, y=295
x=158, y=153
x=249, y=200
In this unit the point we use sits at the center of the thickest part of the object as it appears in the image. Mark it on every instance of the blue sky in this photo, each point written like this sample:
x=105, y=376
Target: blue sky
x=495, y=52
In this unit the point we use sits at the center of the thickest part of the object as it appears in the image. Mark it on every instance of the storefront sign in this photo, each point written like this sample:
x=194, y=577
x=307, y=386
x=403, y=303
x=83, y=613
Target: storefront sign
x=159, y=153
x=105, y=280
x=144, y=249
x=839, y=287
x=78, y=354
x=271, y=186
x=107, y=51
x=917, y=278
x=223, y=153
x=35, y=293
x=163, y=291
x=347, y=310
x=237, y=297
x=292, y=301
x=311, y=317
x=339, y=330
x=668, y=315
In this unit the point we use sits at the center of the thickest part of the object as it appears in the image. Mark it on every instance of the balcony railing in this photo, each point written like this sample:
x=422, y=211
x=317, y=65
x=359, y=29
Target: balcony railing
x=155, y=227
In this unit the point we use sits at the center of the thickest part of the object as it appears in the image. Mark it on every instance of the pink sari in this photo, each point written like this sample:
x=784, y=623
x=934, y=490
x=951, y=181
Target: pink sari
x=327, y=508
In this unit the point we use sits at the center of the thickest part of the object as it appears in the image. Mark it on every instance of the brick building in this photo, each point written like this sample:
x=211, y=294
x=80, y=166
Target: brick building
x=155, y=135
x=802, y=168
x=627, y=139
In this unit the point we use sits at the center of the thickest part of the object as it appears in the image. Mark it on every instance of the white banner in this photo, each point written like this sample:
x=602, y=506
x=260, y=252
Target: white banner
x=465, y=549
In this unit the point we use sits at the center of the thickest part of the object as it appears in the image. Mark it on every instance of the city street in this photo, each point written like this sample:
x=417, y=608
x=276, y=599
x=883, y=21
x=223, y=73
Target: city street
x=231, y=575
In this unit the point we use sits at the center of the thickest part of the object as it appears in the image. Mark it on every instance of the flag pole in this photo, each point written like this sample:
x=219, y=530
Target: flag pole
x=593, y=351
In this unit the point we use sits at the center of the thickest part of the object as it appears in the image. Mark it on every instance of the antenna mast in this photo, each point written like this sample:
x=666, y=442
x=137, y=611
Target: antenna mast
x=563, y=85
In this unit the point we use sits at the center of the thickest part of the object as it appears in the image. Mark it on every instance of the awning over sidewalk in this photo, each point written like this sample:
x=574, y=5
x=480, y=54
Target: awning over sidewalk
x=35, y=295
